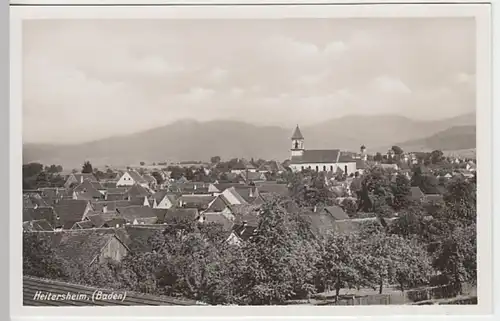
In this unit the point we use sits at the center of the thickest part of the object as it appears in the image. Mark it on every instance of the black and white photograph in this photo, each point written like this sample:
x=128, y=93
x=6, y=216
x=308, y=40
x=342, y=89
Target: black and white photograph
x=303, y=161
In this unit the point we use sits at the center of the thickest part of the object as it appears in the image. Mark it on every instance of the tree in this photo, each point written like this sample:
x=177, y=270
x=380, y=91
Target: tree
x=158, y=177
x=87, y=168
x=32, y=169
x=436, y=157
x=397, y=150
x=378, y=157
x=281, y=263
x=401, y=191
x=142, y=163
x=376, y=193
x=215, y=159
x=40, y=259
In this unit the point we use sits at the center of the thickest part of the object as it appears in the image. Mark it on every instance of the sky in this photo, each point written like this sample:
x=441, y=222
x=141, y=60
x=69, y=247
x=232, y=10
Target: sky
x=90, y=79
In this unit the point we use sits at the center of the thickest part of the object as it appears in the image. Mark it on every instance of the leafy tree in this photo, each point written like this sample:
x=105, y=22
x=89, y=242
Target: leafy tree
x=282, y=264
x=401, y=192
x=87, y=168
x=40, y=258
x=397, y=150
x=215, y=159
x=376, y=193
x=158, y=177
x=457, y=256
x=427, y=182
x=142, y=163
x=32, y=169
x=378, y=157
x=350, y=206
x=436, y=157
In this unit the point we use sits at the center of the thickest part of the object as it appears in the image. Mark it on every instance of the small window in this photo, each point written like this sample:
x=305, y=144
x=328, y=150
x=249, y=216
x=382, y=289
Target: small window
x=317, y=168
x=331, y=168
x=301, y=168
x=324, y=168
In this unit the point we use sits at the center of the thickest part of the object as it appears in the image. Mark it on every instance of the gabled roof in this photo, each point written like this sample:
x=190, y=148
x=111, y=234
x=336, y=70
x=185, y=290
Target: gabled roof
x=181, y=213
x=137, y=237
x=297, y=134
x=99, y=220
x=136, y=177
x=130, y=213
x=39, y=213
x=136, y=191
x=38, y=225
x=111, y=205
x=115, y=196
x=247, y=193
x=218, y=204
x=416, y=193
x=236, y=194
x=200, y=202
x=82, y=225
x=150, y=179
x=317, y=156
x=82, y=245
x=70, y=212
x=160, y=214
x=253, y=176
x=109, y=184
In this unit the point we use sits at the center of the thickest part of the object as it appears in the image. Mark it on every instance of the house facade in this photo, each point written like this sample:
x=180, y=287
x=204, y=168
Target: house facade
x=323, y=160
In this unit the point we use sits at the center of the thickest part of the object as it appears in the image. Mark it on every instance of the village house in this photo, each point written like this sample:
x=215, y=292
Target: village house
x=130, y=178
x=327, y=160
x=78, y=178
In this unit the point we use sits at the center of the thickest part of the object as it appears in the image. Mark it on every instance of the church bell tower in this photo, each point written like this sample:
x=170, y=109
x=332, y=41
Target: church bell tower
x=297, y=143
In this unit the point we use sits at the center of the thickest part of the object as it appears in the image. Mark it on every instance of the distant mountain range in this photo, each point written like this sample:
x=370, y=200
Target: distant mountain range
x=192, y=140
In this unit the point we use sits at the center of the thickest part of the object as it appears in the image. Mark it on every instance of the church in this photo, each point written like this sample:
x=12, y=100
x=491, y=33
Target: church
x=320, y=160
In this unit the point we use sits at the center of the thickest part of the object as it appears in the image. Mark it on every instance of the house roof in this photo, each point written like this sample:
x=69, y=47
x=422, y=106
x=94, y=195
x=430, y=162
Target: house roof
x=361, y=164
x=337, y=212
x=160, y=214
x=297, y=134
x=246, y=213
x=317, y=156
x=31, y=285
x=218, y=218
x=244, y=231
x=81, y=245
x=136, y=177
x=280, y=189
x=247, y=193
x=132, y=212
x=180, y=213
x=253, y=176
x=416, y=193
x=236, y=193
x=80, y=177
x=82, y=225
x=137, y=237
x=37, y=225
x=70, y=211
x=109, y=184
x=98, y=220
x=137, y=191
x=200, y=202
x=149, y=178
x=40, y=213
x=147, y=220
x=218, y=204
x=115, y=197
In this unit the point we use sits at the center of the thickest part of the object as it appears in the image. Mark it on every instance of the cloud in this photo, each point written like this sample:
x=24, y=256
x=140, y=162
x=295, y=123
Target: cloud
x=391, y=85
x=197, y=95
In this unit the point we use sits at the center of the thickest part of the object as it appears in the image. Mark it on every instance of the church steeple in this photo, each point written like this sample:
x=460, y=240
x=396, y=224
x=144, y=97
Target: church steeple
x=297, y=143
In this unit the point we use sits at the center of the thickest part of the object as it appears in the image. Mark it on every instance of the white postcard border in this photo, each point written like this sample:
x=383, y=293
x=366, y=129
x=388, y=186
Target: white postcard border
x=484, y=151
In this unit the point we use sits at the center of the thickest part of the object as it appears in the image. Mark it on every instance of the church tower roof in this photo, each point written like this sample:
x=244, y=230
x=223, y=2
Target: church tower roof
x=297, y=134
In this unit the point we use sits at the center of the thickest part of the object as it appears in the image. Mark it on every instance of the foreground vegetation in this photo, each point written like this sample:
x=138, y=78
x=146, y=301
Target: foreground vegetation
x=285, y=259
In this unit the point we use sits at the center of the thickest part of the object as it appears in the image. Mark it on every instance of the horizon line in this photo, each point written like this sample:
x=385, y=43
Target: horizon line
x=239, y=121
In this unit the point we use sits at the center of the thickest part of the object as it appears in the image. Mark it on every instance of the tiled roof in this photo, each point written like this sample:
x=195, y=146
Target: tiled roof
x=137, y=237
x=346, y=158
x=247, y=193
x=115, y=196
x=80, y=177
x=160, y=195
x=280, y=189
x=116, y=190
x=297, y=134
x=223, y=186
x=40, y=213
x=32, y=285
x=111, y=205
x=82, y=245
x=337, y=212
x=160, y=214
x=244, y=231
x=246, y=213
x=136, y=177
x=99, y=220
x=317, y=156
x=38, y=225
x=149, y=178
x=135, y=212
x=136, y=191
x=236, y=194
x=147, y=220
x=195, y=201
x=82, y=225
x=181, y=213
x=218, y=218
x=416, y=193
x=253, y=176
x=218, y=204
x=361, y=164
